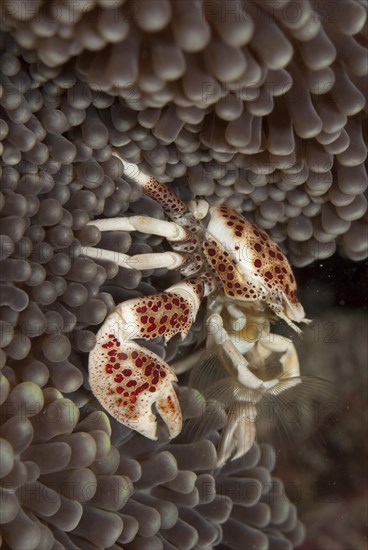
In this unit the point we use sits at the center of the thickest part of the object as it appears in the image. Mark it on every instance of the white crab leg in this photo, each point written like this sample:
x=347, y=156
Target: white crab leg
x=153, y=260
x=218, y=335
x=145, y=224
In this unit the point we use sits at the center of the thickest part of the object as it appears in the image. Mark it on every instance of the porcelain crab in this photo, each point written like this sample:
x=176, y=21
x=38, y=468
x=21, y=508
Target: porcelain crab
x=222, y=256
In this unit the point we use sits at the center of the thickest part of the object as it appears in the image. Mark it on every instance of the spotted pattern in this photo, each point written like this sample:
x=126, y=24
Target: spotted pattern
x=192, y=242
x=192, y=265
x=127, y=379
x=186, y=246
x=167, y=313
x=171, y=204
x=224, y=267
x=266, y=258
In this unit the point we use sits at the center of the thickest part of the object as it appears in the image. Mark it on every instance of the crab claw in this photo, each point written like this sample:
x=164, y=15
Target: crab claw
x=277, y=344
x=128, y=379
x=164, y=314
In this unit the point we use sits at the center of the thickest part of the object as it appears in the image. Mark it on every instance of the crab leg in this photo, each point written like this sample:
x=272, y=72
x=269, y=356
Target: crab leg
x=172, y=205
x=152, y=260
x=127, y=378
x=188, y=264
x=145, y=224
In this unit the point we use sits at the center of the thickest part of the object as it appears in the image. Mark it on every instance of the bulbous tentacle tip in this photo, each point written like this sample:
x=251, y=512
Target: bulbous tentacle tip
x=128, y=380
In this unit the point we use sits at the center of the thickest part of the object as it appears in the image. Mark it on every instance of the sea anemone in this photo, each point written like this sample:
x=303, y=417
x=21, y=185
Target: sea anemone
x=259, y=104
x=73, y=478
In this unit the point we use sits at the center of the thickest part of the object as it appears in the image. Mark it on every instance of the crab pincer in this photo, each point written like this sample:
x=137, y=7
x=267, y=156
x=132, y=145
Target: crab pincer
x=127, y=378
